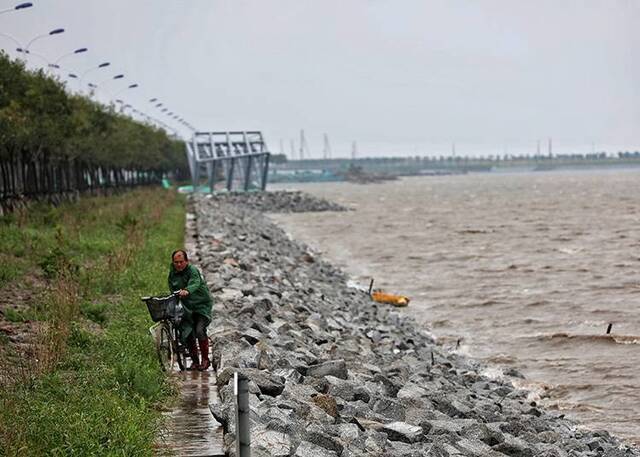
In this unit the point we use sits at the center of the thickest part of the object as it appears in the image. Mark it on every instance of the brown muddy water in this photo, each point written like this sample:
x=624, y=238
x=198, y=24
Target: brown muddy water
x=526, y=270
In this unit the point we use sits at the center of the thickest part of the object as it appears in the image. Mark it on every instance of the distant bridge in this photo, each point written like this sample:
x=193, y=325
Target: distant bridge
x=426, y=165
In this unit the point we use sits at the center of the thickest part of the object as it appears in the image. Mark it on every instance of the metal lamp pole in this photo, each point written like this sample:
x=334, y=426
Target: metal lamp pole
x=101, y=84
x=56, y=63
x=44, y=35
x=130, y=86
x=20, y=6
x=89, y=70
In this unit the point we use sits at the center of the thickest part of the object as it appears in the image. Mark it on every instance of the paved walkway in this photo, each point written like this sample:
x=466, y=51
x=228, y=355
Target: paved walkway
x=191, y=429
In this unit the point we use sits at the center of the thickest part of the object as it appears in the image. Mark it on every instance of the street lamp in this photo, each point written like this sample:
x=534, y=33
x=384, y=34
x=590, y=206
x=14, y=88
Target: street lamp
x=19, y=48
x=130, y=86
x=20, y=6
x=89, y=70
x=101, y=84
x=56, y=62
x=39, y=56
x=122, y=104
x=72, y=76
x=53, y=32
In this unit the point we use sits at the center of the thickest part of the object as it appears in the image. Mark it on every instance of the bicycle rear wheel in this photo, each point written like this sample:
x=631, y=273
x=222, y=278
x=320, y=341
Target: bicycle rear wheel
x=164, y=347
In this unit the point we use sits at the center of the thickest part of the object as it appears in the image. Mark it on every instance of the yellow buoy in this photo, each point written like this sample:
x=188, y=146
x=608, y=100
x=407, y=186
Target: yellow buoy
x=395, y=300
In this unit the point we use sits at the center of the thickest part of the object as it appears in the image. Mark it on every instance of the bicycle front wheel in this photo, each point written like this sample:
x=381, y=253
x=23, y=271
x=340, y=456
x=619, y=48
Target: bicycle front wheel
x=164, y=346
x=179, y=350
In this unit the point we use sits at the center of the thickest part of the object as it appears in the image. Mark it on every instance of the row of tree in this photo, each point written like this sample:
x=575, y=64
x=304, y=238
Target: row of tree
x=52, y=141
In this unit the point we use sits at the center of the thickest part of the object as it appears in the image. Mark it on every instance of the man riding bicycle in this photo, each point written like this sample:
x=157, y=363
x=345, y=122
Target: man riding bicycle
x=196, y=299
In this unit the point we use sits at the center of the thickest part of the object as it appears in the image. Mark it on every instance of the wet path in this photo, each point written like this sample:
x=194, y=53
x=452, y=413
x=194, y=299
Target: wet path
x=191, y=429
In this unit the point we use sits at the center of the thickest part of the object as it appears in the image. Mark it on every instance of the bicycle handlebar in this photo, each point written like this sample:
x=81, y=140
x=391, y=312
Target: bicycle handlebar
x=160, y=297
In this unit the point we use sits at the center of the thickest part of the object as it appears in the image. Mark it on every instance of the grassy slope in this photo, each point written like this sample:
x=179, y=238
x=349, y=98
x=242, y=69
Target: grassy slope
x=91, y=384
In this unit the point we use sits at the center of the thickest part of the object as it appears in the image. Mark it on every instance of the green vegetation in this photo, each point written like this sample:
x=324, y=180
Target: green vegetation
x=53, y=141
x=90, y=383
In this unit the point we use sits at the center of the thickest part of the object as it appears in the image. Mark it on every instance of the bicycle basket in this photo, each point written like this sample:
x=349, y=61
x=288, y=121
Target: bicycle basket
x=161, y=308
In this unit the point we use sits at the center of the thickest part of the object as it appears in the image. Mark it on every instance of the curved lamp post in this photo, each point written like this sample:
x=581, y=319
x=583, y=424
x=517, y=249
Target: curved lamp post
x=123, y=105
x=35, y=54
x=130, y=86
x=6, y=35
x=56, y=62
x=38, y=55
x=120, y=76
x=89, y=70
x=53, y=32
x=101, y=84
x=19, y=6
x=96, y=85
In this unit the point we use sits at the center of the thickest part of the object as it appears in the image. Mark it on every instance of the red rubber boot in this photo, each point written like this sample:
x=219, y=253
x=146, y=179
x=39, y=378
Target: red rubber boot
x=193, y=352
x=204, y=350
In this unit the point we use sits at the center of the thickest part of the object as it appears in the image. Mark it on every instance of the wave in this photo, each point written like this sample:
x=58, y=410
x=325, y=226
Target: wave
x=441, y=323
x=502, y=359
x=574, y=407
x=615, y=339
x=538, y=303
x=482, y=304
x=496, y=270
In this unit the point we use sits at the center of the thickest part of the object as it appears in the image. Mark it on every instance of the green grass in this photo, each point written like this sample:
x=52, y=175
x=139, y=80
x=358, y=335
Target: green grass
x=13, y=315
x=101, y=396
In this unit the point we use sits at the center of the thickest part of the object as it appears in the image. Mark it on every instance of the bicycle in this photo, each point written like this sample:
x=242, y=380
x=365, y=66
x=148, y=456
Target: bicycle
x=167, y=312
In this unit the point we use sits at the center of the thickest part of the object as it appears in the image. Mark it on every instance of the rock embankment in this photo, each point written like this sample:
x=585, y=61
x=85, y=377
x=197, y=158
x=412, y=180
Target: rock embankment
x=279, y=202
x=334, y=374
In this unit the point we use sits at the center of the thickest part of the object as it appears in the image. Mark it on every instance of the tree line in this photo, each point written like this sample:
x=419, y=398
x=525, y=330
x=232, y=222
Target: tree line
x=53, y=142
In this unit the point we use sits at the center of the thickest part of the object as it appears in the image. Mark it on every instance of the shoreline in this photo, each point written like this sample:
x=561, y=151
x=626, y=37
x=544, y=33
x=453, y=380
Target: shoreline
x=335, y=373
x=503, y=271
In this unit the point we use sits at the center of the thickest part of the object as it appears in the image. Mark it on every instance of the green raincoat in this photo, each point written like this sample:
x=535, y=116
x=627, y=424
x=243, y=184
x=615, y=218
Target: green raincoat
x=197, y=302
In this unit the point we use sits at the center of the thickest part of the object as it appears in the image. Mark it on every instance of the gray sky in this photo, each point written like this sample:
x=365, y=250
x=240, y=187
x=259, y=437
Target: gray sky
x=402, y=77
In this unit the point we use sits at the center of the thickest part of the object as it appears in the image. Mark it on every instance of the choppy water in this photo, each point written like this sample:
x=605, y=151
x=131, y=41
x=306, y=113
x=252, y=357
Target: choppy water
x=528, y=269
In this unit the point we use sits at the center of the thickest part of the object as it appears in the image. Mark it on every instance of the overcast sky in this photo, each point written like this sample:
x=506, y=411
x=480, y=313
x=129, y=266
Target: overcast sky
x=400, y=77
